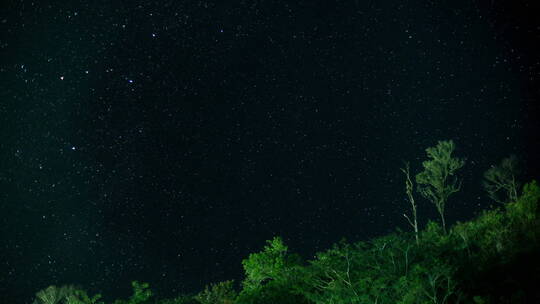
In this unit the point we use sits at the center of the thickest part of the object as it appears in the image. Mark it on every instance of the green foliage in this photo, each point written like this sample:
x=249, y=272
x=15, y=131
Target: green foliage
x=271, y=275
x=489, y=233
x=141, y=294
x=391, y=269
x=182, y=299
x=81, y=297
x=271, y=293
x=524, y=214
x=438, y=181
x=49, y=295
x=331, y=277
x=219, y=293
x=67, y=294
x=435, y=284
x=480, y=300
x=525, y=208
x=502, y=246
x=490, y=259
x=54, y=295
x=273, y=263
x=500, y=182
x=498, y=233
x=346, y=273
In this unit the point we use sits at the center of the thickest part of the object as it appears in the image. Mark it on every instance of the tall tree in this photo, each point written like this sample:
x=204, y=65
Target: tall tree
x=438, y=181
x=500, y=182
x=409, y=189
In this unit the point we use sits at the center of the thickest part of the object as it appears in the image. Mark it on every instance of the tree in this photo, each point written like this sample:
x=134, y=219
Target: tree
x=81, y=297
x=363, y=272
x=409, y=188
x=141, y=294
x=54, y=295
x=435, y=284
x=272, y=263
x=525, y=212
x=271, y=276
x=219, y=293
x=333, y=277
x=500, y=181
x=438, y=181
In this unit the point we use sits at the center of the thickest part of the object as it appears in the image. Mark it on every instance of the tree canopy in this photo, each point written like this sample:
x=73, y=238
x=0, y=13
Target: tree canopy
x=438, y=180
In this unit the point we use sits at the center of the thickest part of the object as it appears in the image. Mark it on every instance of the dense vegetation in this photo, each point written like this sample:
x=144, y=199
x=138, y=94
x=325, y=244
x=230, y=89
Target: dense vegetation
x=491, y=259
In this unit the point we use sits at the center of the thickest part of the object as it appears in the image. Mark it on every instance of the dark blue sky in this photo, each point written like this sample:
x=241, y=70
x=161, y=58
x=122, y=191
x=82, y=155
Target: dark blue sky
x=164, y=141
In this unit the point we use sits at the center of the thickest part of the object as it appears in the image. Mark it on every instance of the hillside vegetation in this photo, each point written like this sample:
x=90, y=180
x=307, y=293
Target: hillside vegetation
x=493, y=258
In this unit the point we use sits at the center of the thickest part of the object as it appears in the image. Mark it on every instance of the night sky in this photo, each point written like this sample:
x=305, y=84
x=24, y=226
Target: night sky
x=164, y=141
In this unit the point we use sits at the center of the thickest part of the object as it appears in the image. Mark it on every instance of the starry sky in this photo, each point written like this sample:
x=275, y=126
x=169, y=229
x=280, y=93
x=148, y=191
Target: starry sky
x=164, y=141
